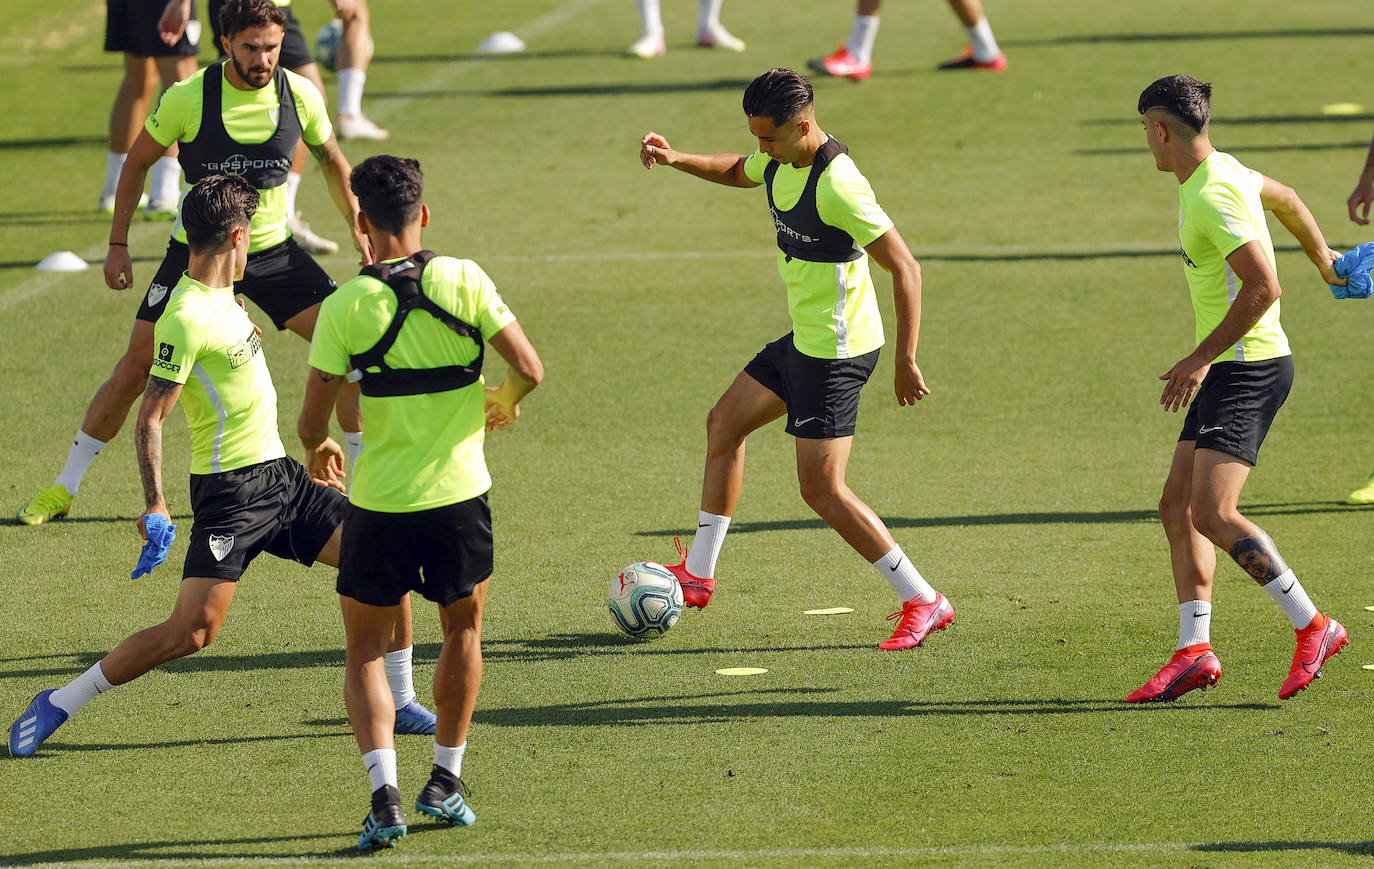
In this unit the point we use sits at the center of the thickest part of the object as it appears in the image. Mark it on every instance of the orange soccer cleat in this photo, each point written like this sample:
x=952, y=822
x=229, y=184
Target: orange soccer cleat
x=1194, y=666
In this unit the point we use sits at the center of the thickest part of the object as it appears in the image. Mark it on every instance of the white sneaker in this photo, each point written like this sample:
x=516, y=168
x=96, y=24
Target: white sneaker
x=359, y=127
x=719, y=37
x=649, y=46
x=107, y=202
x=307, y=239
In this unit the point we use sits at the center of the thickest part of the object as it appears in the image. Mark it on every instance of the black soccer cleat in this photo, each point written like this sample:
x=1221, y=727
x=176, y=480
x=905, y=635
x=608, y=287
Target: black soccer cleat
x=385, y=823
x=443, y=799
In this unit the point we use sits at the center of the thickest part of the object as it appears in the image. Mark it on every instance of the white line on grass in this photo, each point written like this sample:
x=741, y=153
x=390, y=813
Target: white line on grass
x=1067, y=848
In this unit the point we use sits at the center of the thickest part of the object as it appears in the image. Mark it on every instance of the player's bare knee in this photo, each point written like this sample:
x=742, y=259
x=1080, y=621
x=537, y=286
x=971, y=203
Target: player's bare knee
x=1174, y=514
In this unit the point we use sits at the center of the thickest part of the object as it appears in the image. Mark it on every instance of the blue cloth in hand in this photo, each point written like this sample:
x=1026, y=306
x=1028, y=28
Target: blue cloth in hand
x=161, y=533
x=1355, y=267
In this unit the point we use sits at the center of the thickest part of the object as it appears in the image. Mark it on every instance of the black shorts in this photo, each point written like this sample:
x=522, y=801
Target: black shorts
x=269, y=507
x=1236, y=404
x=822, y=395
x=282, y=280
x=441, y=553
x=295, y=51
x=131, y=27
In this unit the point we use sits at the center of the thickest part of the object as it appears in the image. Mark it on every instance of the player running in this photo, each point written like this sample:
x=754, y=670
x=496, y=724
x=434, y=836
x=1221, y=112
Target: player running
x=828, y=225
x=246, y=496
x=411, y=328
x=854, y=58
x=1241, y=373
x=265, y=111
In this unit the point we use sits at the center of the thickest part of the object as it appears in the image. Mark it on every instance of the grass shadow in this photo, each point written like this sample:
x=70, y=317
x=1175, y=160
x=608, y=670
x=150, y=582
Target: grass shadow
x=189, y=851
x=52, y=142
x=185, y=743
x=1236, y=149
x=1191, y=36
x=1358, y=849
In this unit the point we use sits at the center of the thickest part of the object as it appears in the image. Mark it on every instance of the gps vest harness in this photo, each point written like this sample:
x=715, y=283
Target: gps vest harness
x=370, y=370
x=213, y=151
x=801, y=232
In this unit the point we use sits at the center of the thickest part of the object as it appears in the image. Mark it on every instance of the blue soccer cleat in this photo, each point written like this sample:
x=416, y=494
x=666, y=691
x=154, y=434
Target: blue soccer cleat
x=414, y=718
x=385, y=823
x=442, y=799
x=36, y=724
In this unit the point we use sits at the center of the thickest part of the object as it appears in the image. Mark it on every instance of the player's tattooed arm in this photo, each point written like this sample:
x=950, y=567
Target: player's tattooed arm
x=159, y=398
x=1259, y=557
x=336, y=175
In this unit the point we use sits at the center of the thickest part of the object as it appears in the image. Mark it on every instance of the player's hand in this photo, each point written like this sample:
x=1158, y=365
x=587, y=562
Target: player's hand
x=1182, y=381
x=1358, y=203
x=362, y=246
x=653, y=148
x=1326, y=265
x=325, y=464
x=501, y=411
x=172, y=25
x=910, y=385
x=119, y=268
x=159, y=532
x=141, y=524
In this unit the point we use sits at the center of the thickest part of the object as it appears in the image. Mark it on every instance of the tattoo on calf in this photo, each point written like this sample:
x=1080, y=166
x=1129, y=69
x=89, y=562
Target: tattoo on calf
x=1259, y=557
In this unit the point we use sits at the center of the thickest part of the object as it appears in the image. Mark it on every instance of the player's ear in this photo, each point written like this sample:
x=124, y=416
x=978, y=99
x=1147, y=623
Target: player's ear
x=363, y=226
x=424, y=215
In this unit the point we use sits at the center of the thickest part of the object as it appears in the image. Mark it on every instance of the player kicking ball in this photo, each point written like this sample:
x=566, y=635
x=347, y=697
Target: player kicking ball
x=1236, y=379
x=411, y=330
x=247, y=497
x=828, y=225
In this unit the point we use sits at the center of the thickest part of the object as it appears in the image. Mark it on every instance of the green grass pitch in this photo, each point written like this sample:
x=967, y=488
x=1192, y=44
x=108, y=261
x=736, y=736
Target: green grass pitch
x=1024, y=487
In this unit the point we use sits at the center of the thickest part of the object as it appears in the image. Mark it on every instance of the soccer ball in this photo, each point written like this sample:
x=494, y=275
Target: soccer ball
x=645, y=600
x=327, y=44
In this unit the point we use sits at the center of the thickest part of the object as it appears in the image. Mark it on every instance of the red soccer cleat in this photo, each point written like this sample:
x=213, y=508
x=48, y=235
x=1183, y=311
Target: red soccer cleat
x=919, y=620
x=841, y=64
x=1317, y=643
x=695, y=590
x=1194, y=666
x=966, y=61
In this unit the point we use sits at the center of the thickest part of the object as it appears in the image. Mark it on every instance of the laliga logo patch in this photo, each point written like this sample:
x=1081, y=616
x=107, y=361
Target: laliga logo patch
x=220, y=545
x=156, y=293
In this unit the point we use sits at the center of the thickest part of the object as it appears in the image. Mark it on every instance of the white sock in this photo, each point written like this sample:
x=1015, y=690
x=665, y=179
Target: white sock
x=983, y=42
x=709, y=17
x=353, y=441
x=351, y=83
x=1289, y=594
x=166, y=181
x=114, y=164
x=701, y=558
x=293, y=184
x=652, y=18
x=1194, y=623
x=84, y=450
x=399, y=676
x=380, y=764
x=862, y=36
x=81, y=690
x=904, y=578
x=450, y=759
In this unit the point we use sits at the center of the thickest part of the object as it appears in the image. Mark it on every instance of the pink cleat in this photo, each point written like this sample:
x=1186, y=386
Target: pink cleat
x=1194, y=666
x=695, y=590
x=966, y=61
x=841, y=64
x=1317, y=643
x=918, y=621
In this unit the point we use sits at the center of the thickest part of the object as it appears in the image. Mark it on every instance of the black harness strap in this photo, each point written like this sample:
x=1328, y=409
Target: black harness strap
x=370, y=369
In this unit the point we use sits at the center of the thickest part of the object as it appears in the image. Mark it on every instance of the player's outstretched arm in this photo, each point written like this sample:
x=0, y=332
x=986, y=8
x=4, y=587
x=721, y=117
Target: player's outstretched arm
x=1292, y=212
x=324, y=458
x=159, y=398
x=1363, y=194
x=890, y=252
x=119, y=266
x=727, y=169
x=336, y=171
x=524, y=373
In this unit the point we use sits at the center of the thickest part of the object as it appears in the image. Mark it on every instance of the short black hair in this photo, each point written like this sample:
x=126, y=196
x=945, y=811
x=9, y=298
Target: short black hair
x=236, y=16
x=214, y=207
x=390, y=191
x=779, y=95
x=1182, y=96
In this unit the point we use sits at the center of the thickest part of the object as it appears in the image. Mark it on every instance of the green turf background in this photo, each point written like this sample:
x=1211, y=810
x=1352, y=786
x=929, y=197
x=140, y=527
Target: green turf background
x=1024, y=487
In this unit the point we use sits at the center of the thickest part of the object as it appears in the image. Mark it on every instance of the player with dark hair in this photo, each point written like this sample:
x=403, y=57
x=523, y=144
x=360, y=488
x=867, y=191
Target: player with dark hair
x=828, y=225
x=247, y=497
x=854, y=58
x=1236, y=379
x=263, y=112
x=411, y=329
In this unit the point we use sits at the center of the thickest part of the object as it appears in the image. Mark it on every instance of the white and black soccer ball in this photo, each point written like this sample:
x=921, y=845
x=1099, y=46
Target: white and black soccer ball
x=645, y=600
x=327, y=44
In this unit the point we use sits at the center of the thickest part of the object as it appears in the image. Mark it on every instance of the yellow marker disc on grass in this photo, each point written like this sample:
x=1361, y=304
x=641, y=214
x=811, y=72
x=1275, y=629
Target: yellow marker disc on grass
x=1342, y=109
x=1368, y=667
x=1370, y=608
x=829, y=611
x=740, y=671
